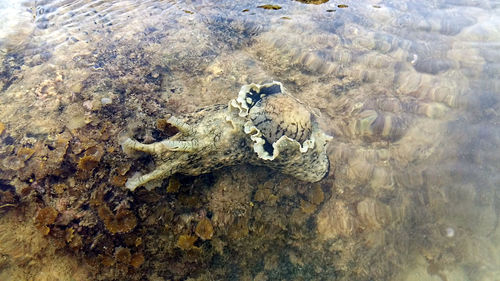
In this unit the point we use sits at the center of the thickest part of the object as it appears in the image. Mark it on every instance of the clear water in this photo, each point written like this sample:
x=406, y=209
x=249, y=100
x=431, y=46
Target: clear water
x=410, y=91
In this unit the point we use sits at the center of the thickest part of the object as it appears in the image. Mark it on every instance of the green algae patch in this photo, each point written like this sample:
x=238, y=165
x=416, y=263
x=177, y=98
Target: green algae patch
x=269, y=7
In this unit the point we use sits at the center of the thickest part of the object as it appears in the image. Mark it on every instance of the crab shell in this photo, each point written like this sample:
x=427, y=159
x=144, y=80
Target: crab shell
x=306, y=158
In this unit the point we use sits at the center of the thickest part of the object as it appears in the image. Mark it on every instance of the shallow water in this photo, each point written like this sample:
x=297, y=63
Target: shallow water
x=410, y=92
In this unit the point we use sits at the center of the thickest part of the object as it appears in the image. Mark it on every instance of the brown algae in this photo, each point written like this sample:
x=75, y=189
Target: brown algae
x=269, y=7
x=204, y=229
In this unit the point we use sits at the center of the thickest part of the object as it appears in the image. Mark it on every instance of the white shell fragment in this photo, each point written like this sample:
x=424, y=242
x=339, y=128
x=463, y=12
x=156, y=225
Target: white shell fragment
x=263, y=126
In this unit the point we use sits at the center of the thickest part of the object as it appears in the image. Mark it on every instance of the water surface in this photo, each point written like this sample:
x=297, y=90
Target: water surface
x=409, y=90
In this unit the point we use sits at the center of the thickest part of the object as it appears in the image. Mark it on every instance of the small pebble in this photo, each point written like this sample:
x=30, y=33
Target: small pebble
x=106, y=101
x=450, y=232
